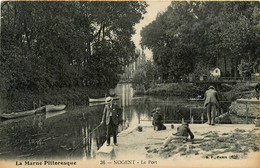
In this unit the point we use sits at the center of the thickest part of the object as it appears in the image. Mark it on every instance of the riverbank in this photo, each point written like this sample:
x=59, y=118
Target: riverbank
x=222, y=143
x=21, y=100
x=189, y=90
x=173, y=89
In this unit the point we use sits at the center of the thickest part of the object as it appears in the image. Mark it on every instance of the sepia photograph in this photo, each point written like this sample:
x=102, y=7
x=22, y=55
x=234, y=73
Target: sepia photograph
x=87, y=84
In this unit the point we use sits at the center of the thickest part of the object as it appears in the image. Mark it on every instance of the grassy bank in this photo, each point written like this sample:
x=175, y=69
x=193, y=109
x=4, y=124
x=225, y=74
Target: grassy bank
x=226, y=92
x=173, y=89
x=20, y=100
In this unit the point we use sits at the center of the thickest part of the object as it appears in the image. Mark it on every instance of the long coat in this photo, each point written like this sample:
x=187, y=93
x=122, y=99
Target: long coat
x=115, y=114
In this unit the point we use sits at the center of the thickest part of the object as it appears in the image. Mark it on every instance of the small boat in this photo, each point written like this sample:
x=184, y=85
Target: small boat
x=54, y=113
x=18, y=114
x=55, y=107
x=23, y=113
x=195, y=99
x=101, y=100
x=96, y=104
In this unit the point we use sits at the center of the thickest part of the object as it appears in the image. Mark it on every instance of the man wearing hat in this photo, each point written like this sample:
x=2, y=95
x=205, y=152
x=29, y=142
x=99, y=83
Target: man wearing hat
x=157, y=120
x=110, y=116
x=183, y=132
x=211, y=103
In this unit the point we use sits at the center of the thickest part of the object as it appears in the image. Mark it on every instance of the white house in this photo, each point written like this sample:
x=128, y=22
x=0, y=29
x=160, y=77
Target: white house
x=215, y=72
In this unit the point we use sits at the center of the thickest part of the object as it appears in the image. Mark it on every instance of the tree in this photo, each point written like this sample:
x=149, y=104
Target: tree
x=215, y=34
x=48, y=45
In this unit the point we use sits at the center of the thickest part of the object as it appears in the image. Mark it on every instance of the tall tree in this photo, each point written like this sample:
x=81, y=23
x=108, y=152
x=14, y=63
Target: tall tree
x=48, y=45
x=215, y=34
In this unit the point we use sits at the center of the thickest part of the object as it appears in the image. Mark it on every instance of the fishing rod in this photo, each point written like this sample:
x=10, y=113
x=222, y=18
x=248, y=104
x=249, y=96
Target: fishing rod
x=87, y=137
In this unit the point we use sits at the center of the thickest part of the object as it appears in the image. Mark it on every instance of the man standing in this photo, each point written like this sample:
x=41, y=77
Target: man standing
x=110, y=116
x=211, y=103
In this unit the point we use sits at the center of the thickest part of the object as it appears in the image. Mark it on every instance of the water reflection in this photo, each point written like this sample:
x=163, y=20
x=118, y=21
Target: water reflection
x=74, y=134
x=60, y=136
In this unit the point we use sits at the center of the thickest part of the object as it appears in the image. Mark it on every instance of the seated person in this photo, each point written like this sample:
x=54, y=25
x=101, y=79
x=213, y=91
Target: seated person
x=157, y=120
x=183, y=133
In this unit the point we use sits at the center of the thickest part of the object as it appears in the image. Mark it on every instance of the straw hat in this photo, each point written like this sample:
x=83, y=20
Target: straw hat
x=211, y=87
x=109, y=99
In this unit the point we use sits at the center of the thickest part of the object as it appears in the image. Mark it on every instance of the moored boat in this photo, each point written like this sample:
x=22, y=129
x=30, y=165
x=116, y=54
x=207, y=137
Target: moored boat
x=54, y=113
x=55, y=107
x=22, y=113
x=96, y=104
x=18, y=114
x=100, y=100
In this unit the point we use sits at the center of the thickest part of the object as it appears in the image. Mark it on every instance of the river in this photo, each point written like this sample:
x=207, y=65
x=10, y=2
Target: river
x=69, y=134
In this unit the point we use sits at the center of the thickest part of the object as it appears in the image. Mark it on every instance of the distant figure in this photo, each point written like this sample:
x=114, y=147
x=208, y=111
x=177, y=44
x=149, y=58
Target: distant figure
x=183, y=132
x=211, y=103
x=157, y=120
x=111, y=116
x=257, y=89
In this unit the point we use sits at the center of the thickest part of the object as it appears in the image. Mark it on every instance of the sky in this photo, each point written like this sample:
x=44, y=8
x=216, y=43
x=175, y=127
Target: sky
x=152, y=10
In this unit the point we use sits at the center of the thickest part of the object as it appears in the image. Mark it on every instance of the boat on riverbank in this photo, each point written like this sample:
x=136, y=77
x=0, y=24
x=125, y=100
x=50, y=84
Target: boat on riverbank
x=23, y=113
x=55, y=107
x=54, y=113
x=97, y=104
x=100, y=100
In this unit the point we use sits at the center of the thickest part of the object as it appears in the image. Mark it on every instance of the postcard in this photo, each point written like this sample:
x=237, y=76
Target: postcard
x=130, y=84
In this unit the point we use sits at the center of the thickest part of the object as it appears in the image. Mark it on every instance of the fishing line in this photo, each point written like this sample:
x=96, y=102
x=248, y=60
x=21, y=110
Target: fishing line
x=85, y=139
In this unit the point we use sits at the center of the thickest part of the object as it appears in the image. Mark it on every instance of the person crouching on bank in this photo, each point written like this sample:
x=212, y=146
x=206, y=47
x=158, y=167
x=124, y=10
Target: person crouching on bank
x=110, y=117
x=183, y=132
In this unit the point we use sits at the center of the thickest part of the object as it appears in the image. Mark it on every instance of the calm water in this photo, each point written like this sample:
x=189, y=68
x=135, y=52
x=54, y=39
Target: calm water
x=69, y=134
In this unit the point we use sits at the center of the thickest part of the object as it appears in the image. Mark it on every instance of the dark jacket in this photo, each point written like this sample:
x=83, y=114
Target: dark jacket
x=184, y=130
x=157, y=119
x=116, y=114
x=257, y=87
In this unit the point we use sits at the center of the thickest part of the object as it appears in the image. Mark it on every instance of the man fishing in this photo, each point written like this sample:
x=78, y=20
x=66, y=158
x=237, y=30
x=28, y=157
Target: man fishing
x=110, y=116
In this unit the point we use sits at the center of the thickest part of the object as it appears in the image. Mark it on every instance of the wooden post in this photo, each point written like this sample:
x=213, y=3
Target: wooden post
x=33, y=105
x=202, y=117
x=247, y=114
x=190, y=115
x=182, y=120
x=164, y=117
x=192, y=120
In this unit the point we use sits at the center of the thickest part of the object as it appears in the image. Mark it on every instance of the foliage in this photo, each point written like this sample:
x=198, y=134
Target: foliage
x=48, y=45
x=144, y=74
x=245, y=68
x=213, y=34
x=200, y=69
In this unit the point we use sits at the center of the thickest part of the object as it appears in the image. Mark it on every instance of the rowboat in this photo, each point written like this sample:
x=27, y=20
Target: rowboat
x=100, y=100
x=55, y=107
x=18, y=114
x=97, y=104
x=195, y=99
x=23, y=113
x=54, y=113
